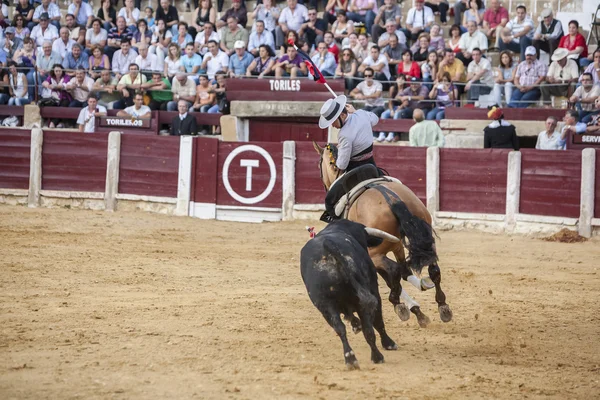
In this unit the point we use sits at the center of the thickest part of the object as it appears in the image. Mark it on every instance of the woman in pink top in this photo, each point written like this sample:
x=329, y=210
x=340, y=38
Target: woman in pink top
x=574, y=42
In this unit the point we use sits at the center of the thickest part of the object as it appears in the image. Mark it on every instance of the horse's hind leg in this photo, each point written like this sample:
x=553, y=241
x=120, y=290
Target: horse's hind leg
x=391, y=274
x=412, y=305
x=440, y=296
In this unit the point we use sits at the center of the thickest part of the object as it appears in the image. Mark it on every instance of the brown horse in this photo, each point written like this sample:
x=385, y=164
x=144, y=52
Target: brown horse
x=394, y=208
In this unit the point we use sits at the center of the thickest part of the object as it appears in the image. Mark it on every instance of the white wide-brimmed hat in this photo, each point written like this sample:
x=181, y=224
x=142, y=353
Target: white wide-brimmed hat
x=331, y=110
x=559, y=54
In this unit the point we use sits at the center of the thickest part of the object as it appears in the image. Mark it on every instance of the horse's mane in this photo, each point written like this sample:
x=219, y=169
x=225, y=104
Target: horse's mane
x=333, y=153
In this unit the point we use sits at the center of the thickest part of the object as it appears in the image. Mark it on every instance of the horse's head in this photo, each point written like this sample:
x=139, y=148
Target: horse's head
x=328, y=156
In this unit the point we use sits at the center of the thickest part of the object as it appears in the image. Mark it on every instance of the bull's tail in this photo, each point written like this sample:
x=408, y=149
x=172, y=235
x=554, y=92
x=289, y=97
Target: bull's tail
x=417, y=237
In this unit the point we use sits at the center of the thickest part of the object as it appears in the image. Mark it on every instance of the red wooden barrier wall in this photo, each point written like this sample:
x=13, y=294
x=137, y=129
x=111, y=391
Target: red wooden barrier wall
x=14, y=159
x=550, y=182
x=473, y=180
x=309, y=189
x=282, y=129
x=597, y=187
x=261, y=175
x=204, y=171
x=74, y=161
x=409, y=164
x=149, y=165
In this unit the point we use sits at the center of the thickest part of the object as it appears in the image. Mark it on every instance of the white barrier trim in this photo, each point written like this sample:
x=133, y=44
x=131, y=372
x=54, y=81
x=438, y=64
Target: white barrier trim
x=113, y=160
x=469, y=216
x=63, y=194
x=310, y=207
x=433, y=180
x=184, y=181
x=513, y=189
x=595, y=221
x=546, y=219
x=35, y=167
x=586, y=199
x=288, y=194
x=203, y=210
x=151, y=199
x=246, y=208
x=14, y=192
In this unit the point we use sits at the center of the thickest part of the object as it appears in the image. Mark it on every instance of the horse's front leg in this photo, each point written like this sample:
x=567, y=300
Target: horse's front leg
x=440, y=297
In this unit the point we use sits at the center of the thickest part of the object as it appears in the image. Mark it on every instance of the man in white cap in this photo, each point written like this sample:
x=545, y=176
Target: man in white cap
x=548, y=33
x=355, y=138
x=529, y=75
x=240, y=60
x=563, y=71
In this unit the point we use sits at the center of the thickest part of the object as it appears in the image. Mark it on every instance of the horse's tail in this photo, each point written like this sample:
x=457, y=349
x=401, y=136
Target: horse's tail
x=417, y=237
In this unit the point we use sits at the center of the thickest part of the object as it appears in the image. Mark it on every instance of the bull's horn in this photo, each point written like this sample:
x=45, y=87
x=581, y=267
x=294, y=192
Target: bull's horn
x=381, y=234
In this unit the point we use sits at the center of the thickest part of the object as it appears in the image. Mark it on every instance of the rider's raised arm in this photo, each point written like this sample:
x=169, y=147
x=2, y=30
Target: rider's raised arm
x=344, y=152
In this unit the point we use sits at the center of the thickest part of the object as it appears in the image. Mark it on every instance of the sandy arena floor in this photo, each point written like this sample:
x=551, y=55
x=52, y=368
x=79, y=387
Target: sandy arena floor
x=97, y=305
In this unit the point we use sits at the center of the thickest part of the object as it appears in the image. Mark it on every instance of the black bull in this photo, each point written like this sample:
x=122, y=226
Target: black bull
x=340, y=278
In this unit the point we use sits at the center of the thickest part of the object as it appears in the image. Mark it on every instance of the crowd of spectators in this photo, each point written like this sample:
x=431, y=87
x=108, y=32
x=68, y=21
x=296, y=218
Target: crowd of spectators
x=120, y=49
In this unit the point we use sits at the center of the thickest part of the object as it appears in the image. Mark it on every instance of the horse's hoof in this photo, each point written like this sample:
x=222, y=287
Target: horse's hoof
x=356, y=329
x=352, y=365
x=445, y=313
x=422, y=319
x=426, y=284
x=402, y=311
x=392, y=346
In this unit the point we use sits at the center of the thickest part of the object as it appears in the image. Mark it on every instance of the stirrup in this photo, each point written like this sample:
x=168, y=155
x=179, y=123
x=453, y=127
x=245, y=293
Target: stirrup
x=326, y=217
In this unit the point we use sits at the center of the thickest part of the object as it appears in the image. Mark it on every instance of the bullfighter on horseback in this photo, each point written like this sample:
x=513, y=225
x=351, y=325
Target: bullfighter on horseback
x=355, y=140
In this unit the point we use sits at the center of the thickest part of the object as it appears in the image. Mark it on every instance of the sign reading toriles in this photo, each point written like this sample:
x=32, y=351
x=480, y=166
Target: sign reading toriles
x=285, y=85
x=126, y=122
x=253, y=156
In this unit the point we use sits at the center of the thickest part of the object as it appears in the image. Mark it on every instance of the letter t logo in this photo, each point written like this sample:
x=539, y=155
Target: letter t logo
x=249, y=164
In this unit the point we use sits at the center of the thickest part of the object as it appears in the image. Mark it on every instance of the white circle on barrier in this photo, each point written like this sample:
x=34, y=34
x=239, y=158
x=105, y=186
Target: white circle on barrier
x=272, y=170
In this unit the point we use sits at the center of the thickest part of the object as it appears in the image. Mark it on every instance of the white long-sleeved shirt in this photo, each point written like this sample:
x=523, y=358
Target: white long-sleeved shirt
x=355, y=136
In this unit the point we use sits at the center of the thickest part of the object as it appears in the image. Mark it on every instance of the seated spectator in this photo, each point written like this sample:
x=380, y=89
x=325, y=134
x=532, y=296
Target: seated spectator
x=142, y=36
x=173, y=64
x=370, y=91
x=54, y=93
x=550, y=139
x=455, y=68
x=25, y=10
x=347, y=69
x=473, y=13
x=87, y=116
x=378, y=63
x=45, y=61
x=411, y=98
x=436, y=40
x=331, y=45
x=269, y=14
x=480, y=78
x=495, y=19
x=75, y=60
x=420, y=49
x=572, y=125
x=80, y=88
x=518, y=33
x=17, y=88
x=500, y=134
x=183, y=89
x=574, y=42
x=391, y=29
x=238, y=11
x=291, y=64
x=290, y=36
x=363, y=11
x=63, y=44
x=115, y=36
x=107, y=14
x=505, y=76
x=25, y=57
x=131, y=14
x=440, y=6
x=167, y=13
x=221, y=102
x=231, y=34
x=137, y=110
x=240, y=61
x=594, y=125
x=20, y=26
x=159, y=89
x=548, y=33
x=585, y=97
x=44, y=31
x=205, y=36
x=191, y=62
x=472, y=39
x=149, y=17
x=97, y=36
x=122, y=59
x=443, y=94
x=408, y=67
x=453, y=42
x=594, y=68
x=324, y=60
x=215, y=60
x=430, y=68
x=528, y=77
x=425, y=133
x=393, y=51
x=313, y=30
x=291, y=19
x=161, y=39
x=11, y=43
x=105, y=88
x=50, y=11
x=97, y=62
x=332, y=7
x=146, y=61
x=263, y=64
x=205, y=98
x=562, y=73
x=342, y=27
x=363, y=49
x=182, y=37
x=76, y=32
x=419, y=19
x=260, y=37
x=82, y=12
x=129, y=84
x=203, y=14
x=184, y=123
